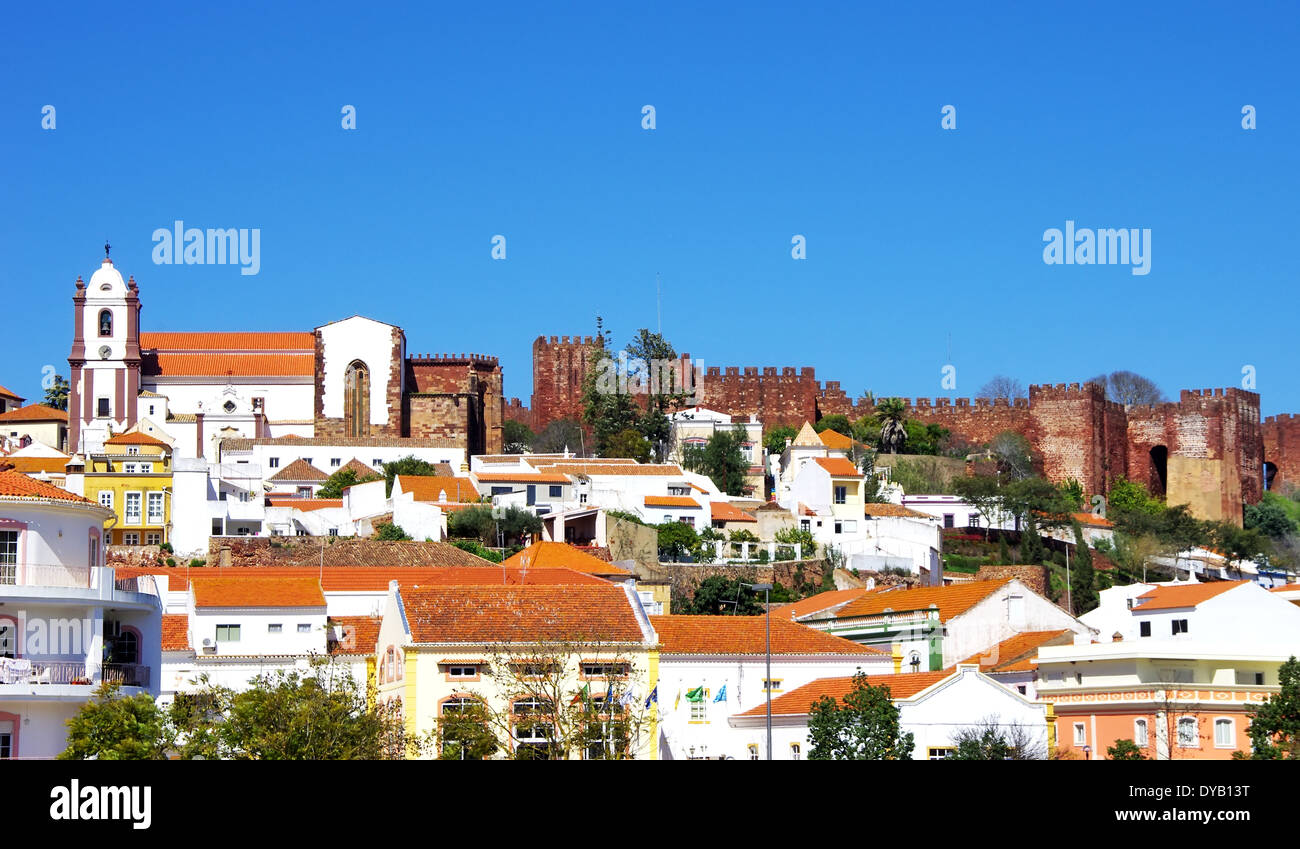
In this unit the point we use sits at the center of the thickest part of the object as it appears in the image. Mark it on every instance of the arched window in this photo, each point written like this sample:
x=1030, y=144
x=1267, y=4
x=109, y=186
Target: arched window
x=105, y=322
x=1225, y=736
x=1187, y=736
x=356, y=400
x=1140, y=732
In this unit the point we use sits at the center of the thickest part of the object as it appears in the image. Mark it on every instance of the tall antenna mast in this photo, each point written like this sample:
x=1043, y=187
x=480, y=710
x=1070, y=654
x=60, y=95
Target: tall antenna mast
x=659, y=310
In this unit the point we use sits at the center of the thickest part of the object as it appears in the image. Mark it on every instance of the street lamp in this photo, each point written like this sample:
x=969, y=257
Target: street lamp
x=767, y=609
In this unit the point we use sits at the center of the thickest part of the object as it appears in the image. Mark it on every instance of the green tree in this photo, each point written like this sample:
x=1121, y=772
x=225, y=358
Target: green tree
x=113, y=727
x=1125, y=750
x=517, y=523
x=862, y=726
x=1128, y=496
x=721, y=459
x=984, y=493
x=891, y=413
x=796, y=536
x=473, y=523
x=1275, y=725
x=985, y=744
x=559, y=436
x=628, y=443
x=867, y=430
x=837, y=422
x=516, y=437
x=1013, y=453
x=341, y=480
x=464, y=733
x=774, y=439
x=1083, y=583
x=607, y=405
x=56, y=395
x=718, y=596
x=1238, y=544
x=1270, y=517
x=924, y=438
x=676, y=540
x=663, y=386
x=408, y=465
x=1032, y=549
x=389, y=531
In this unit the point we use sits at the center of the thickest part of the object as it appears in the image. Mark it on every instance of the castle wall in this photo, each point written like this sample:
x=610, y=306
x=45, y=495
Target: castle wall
x=1281, y=437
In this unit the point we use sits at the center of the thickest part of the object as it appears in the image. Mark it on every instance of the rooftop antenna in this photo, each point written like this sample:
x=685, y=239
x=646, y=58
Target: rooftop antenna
x=659, y=310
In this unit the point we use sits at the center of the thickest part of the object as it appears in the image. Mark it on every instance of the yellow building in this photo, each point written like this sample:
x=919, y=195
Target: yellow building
x=132, y=476
x=548, y=663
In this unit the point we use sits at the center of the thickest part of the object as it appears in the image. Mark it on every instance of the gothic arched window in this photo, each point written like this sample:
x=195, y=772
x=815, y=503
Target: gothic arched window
x=356, y=400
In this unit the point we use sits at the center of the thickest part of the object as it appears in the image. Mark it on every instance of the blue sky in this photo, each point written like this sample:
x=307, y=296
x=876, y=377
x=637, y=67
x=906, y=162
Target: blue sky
x=771, y=120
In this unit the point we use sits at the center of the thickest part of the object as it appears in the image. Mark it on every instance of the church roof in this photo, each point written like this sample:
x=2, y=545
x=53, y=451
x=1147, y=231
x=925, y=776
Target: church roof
x=808, y=438
x=299, y=470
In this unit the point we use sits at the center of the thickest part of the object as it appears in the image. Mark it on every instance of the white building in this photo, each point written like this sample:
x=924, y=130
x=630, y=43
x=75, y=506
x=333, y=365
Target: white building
x=696, y=426
x=66, y=622
x=1220, y=613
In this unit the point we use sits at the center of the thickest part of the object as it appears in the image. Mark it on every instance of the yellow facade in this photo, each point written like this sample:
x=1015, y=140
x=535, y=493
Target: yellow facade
x=140, y=499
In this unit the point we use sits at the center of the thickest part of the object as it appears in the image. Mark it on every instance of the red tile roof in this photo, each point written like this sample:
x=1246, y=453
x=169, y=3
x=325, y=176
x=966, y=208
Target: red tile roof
x=799, y=701
x=33, y=465
x=746, y=635
x=228, y=364
x=233, y=341
x=562, y=555
x=835, y=440
x=360, y=469
x=307, y=504
x=1182, y=595
x=360, y=635
x=136, y=438
x=5, y=393
x=521, y=614
x=1093, y=520
x=335, y=579
x=260, y=591
x=887, y=509
x=1019, y=653
x=16, y=485
x=952, y=600
x=818, y=603
x=35, y=413
x=299, y=470
x=433, y=487
x=671, y=501
x=521, y=477
x=723, y=512
x=606, y=467
x=839, y=467
x=175, y=632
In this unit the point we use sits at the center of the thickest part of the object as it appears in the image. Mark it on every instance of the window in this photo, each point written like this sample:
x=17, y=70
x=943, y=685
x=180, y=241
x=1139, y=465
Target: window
x=462, y=671
x=939, y=753
x=334, y=532
x=841, y=494
x=805, y=525
x=377, y=464
x=753, y=751
x=604, y=670
x=155, y=508
x=273, y=462
x=153, y=539
x=687, y=520
x=1022, y=689
x=227, y=633
x=839, y=527
x=501, y=490
x=304, y=492
x=133, y=508
x=1140, y=735
x=948, y=520
x=1178, y=626
x=93, y=558
x=1224, y=734
x=133, y=451
x=106, y=498
x=1080, y=734
x=556, y=491
x=275, y=628
x=795, y=751
x=582, y=498
x=973, y=520
x=102, y=410
x=131, y=538
x=229, y=406
x=1144, y=629
x=6, y=739
x=124, y=648
x=8, y=639
x=304, y=627
x=335, y=462
x=533, y=740
x=774, y=685
x=105, y=322
x=700, y=711
x=151, y=409
x=307, y=460
x=259, y=405
x=1187, y=737
x=129, y=468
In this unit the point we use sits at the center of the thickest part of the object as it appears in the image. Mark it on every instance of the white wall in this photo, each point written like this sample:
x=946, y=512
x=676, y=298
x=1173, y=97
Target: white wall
x=363, y=339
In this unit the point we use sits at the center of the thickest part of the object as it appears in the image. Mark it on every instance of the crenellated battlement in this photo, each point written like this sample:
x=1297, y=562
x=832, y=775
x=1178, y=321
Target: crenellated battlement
x=454, y=359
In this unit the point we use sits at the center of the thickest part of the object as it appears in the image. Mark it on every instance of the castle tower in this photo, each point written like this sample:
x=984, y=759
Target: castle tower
x=105, y=358
x=560, y=367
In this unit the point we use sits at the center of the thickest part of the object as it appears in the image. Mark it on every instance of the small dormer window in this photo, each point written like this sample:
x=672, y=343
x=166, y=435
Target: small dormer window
x=105, y=322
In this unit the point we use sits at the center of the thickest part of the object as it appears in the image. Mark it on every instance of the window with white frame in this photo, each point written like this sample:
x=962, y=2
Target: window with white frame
x=133, y=451
x=273, y=462
x=131, y=538
x=1141, y=734
x=335, y=462
x=129, y=468
x=155, y=501
x=1187, y=737
x=8, y=557
x=753, y=751
x=940, y=753
x=133, y=501
x=462, y=671
x=1080, y=734
x=275, y=628
x=1225, y=735
x=106, y=498
x=841, y=494
x=700, y=711
x=93, y=559
x=1178, y=626
x=153, y=539
x=227, y=633
x=795, y=751
x=304, y=627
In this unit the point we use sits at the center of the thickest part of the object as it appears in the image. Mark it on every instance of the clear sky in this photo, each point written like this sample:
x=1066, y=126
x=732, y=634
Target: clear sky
x=772, y=120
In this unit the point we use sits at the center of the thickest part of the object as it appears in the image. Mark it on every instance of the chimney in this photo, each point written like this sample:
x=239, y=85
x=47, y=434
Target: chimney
x=1117, y=637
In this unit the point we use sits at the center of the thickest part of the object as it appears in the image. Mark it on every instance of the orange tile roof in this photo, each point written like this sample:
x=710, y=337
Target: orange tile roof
x=360, y=469
x=1182, y=595
x=259, y=591
x=818, y=603
x=521, y=477
x=433, y=487
x=5, y=393
x=721, y=511
x=136, y=438
x=35, y=413
x=299, y=470
x=1285, y=588
x=839, y=467
x=888, y=509
x=360, y=635
x=952, y=600
x=19, y=486
x=33, y=465
x=562, y=555
x=521, y=614
x=1019, y=653
x=746, y=635
x=341, y=579
x=799, y=701
x=671, y=501
x=176, y=575
x=175, y=632
x=229, y=364
x=610, y=468
x=1090, y=519
x=235, y=341
x=835, y=440
x=307, y=504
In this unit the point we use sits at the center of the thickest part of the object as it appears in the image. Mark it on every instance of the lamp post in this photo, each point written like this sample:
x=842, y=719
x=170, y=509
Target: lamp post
x=767, y=613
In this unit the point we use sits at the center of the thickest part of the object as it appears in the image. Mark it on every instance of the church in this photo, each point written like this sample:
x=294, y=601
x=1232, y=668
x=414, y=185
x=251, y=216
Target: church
x=349, y=380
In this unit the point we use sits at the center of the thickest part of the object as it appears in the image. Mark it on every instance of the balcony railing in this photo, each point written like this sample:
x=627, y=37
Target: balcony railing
x=70, y=672
x=30, y=575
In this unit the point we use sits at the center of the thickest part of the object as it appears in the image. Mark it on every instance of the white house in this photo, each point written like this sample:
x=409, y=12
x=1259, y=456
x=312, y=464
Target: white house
x=1220, y=613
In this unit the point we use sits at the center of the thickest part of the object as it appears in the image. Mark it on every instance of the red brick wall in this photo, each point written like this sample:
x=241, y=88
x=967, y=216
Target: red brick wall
x=788, y=398
x=559, y=369
x=1281, y=435
x=456, y=397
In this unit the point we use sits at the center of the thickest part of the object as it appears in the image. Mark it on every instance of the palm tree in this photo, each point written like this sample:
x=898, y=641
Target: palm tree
x=892, y=413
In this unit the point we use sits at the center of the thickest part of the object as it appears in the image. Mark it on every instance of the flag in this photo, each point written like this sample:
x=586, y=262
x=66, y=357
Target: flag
x=609, y=695
x=696, y=695
x=584, y=693
x=722, y=694
x=653, y=698
x=627, y=699
x=678, y=702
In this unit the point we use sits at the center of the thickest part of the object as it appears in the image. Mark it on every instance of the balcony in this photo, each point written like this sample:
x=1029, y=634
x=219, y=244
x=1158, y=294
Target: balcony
x=70, y=673
x=29, y=575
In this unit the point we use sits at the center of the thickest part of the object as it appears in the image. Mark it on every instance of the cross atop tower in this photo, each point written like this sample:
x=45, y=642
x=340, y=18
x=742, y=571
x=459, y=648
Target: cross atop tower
x=107, y=246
